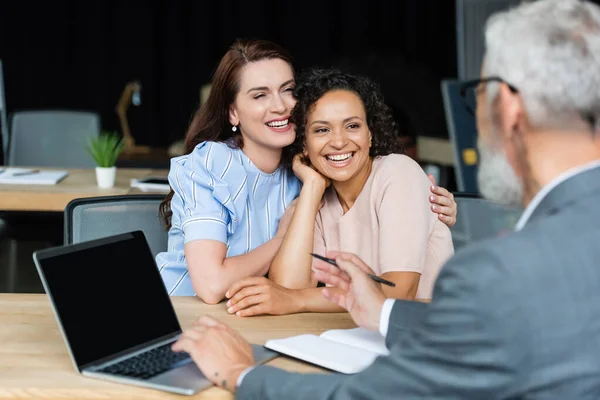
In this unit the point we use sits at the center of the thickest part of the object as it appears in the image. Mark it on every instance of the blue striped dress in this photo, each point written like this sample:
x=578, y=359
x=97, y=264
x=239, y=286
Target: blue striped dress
x=221, y=195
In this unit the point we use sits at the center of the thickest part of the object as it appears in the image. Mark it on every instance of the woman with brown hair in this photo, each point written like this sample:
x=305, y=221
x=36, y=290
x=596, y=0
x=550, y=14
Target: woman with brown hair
x=229, y=205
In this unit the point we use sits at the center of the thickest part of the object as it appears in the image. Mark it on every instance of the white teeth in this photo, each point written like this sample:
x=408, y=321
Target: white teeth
x=278, y=124
x=339, y=157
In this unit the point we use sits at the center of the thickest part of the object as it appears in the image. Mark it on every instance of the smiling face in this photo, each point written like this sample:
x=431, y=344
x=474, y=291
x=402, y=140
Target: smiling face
x=337, y=136
x=263, y=104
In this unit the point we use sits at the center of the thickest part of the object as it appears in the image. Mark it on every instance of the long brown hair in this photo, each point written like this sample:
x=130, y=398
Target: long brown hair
x=211, y=120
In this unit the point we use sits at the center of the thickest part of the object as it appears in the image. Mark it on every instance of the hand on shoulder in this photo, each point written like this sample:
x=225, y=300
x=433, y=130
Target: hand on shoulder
x=442, y=203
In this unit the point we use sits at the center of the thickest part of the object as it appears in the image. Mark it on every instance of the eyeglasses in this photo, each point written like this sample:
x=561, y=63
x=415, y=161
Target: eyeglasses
x=469, y=89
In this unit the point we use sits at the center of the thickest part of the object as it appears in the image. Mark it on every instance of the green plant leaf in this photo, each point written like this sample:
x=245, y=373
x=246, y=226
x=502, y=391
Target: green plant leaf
x=105, y=149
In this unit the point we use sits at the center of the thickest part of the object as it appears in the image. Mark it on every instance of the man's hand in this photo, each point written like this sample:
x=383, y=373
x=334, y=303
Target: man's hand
x=219, y=351
x=357, y=293
x=255, y=296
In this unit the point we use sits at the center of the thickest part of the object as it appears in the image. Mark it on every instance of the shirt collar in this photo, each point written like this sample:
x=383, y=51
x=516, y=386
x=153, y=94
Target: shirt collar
x=537, y=199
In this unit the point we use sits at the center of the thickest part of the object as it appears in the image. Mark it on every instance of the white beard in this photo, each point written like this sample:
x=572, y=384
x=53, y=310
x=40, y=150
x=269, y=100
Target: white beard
x=496, y=178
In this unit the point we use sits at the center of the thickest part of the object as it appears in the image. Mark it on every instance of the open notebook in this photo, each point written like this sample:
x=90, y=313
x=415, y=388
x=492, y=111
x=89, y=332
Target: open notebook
x=344, y=350
x=29, y=176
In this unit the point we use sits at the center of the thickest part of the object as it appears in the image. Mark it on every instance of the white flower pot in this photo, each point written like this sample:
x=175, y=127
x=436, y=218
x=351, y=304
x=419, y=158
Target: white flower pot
x=106, y=177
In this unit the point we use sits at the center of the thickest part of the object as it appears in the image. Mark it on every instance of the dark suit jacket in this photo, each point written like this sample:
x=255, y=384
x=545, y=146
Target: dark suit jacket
x=515, y=317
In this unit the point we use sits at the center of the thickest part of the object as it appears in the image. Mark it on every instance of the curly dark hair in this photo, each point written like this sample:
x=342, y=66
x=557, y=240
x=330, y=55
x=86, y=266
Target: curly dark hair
x=315, y=83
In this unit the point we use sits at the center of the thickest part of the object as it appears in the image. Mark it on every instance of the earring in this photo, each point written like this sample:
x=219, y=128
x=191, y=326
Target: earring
x=234, y=128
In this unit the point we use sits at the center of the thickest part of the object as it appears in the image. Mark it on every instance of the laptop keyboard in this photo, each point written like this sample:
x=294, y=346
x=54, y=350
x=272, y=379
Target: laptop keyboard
x=148, y=364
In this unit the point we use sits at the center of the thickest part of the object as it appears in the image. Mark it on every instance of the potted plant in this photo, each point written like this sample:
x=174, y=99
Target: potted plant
x=105, y=150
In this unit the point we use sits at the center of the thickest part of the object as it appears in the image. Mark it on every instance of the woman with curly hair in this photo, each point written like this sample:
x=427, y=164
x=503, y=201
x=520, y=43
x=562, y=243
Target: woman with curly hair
x=360, y=194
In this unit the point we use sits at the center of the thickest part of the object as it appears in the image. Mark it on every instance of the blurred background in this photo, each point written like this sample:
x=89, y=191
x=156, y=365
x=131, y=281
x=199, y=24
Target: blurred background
x=79, y=55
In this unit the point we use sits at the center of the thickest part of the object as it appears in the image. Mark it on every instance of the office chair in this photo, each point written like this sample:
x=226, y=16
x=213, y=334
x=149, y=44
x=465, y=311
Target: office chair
x=479, y=219
x=52, y=138
x=462, y=130
x=45, y=139
x=98, y=217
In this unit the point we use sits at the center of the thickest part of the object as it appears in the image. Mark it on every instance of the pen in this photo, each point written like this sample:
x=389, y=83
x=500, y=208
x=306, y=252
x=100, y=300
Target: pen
x=33, y=171
x=374, y=277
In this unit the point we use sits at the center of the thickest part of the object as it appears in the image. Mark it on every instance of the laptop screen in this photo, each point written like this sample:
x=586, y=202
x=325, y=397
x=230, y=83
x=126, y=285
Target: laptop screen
x=108, y=295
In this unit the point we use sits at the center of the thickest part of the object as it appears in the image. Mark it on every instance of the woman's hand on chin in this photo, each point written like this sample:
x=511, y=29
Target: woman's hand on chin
x=258, y=295
x=307, y=173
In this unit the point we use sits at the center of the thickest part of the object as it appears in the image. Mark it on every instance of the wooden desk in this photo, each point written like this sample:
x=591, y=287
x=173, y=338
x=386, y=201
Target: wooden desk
x=79, y=183
x=34, y=362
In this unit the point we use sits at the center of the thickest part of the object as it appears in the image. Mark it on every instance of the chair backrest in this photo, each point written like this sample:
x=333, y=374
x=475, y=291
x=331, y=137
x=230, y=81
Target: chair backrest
x=479, y=219
x=462, y=130
x=98, y=217
x=52, y=138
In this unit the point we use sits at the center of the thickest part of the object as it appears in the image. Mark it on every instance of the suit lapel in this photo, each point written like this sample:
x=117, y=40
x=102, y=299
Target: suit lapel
x=568, y=192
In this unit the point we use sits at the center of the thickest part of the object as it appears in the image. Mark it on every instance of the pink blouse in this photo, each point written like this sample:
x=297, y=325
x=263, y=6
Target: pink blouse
x=390, y=226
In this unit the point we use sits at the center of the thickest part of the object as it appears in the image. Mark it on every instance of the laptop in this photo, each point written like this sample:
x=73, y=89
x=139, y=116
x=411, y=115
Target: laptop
x=116, y=316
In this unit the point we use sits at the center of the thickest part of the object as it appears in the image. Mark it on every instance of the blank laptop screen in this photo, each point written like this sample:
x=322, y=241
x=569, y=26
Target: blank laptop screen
x=109, y=296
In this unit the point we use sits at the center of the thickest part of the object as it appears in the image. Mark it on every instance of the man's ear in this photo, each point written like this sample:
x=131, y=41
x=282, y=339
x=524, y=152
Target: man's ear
x=513, y=121
x=233, y=116
x=511, y=112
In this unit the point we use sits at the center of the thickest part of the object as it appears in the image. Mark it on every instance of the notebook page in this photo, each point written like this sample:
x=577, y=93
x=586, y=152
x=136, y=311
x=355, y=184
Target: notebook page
x=150, y=187
x=359, y=337
x=41, y=177
x=323, y=352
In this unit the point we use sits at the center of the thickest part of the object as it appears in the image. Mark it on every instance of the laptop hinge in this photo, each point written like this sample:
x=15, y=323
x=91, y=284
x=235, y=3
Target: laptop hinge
x=130, y=350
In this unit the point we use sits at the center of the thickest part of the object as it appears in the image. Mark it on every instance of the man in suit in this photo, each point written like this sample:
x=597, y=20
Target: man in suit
x=513, y=317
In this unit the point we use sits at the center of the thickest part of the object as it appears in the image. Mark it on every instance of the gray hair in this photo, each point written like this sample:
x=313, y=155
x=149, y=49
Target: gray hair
x=550, y=51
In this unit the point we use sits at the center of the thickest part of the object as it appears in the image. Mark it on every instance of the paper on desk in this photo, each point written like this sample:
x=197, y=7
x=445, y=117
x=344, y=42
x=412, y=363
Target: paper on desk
x=359, y=337
x=151, y=187
x=38, y=178
x=344, y=350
